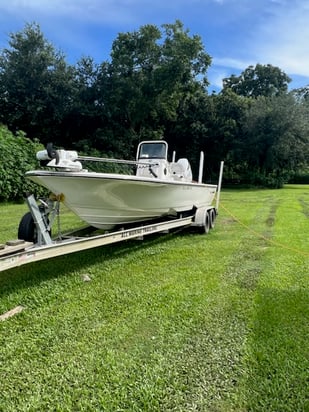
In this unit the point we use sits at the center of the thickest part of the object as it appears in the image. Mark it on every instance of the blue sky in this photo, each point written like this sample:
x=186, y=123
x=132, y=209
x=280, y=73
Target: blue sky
x=236, y=33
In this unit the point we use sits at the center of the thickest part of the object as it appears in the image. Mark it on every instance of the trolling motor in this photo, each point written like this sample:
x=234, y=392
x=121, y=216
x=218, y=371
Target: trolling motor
x=52, y=153
x=60, y=159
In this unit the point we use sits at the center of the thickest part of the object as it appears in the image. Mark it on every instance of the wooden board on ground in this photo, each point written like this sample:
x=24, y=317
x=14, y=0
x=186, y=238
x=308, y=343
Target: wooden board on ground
x=14, y=246
x=11, y=313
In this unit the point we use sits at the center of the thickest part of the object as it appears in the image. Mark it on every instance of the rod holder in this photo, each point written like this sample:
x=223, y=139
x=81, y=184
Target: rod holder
x=201, y=168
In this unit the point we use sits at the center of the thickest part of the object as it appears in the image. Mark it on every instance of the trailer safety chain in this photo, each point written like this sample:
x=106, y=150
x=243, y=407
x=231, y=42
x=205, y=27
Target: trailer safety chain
x=273, y=242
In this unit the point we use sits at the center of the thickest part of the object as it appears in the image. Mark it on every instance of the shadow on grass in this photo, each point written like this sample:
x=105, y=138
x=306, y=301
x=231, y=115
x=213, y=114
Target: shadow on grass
x=33, y=274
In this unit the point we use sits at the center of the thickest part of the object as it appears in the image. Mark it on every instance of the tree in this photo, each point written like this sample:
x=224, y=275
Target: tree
x=225, y=130
x=35, y=85
x=261, y=80
x=302, y=93
x=275, y=139
x=150, y=73
x=190, y=132
x=83, y=116
x=17, y=156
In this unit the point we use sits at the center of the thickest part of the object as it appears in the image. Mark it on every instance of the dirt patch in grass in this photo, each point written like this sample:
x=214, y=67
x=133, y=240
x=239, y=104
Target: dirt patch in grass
x=305, y=206
x=270, y=221
x=227, y=221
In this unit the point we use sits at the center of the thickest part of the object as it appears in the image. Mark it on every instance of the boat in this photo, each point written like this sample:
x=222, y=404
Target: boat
x=157, y=188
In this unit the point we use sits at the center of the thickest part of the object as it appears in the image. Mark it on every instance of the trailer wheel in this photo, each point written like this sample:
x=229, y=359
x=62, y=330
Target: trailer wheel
x=27, y=229
x=212, y=218
x=206, y=224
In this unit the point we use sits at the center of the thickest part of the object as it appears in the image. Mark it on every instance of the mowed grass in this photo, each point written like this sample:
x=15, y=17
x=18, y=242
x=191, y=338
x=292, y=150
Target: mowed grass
x=178, y=322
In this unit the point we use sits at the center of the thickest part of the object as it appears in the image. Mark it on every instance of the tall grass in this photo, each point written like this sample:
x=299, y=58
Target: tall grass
x=178, y=322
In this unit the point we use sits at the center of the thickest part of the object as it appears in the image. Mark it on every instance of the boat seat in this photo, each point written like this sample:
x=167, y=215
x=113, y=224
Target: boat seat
x=176, y=170
x=181, y=170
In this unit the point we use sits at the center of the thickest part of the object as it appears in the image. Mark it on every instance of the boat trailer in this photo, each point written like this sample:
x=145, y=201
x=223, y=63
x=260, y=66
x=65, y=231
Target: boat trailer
x=20, y=252
x=35, y=242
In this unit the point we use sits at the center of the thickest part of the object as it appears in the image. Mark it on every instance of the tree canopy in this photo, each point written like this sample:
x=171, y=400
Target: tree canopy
x=35, y=84
x=261, y=80
x=150, y=73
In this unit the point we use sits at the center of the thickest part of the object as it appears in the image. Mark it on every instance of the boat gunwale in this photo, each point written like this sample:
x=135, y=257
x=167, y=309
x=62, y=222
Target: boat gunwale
x=114, y=176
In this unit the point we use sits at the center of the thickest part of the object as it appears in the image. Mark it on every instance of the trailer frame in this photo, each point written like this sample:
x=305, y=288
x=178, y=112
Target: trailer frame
x=18, y=253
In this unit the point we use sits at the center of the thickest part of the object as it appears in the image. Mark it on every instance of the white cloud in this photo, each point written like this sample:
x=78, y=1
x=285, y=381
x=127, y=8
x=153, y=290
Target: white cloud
x=283, y=38
x=215, y=77
x=232, y=63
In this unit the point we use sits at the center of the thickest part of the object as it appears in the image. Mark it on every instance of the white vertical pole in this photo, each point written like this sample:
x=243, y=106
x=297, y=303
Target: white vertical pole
x=219, y=186
x=200, y=173
x=174, y=156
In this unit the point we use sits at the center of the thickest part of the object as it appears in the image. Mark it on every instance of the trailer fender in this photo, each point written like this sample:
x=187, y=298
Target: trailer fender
x=202, y=220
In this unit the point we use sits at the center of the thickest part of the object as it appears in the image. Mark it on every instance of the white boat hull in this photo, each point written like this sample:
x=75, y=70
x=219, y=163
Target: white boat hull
x=108, y=200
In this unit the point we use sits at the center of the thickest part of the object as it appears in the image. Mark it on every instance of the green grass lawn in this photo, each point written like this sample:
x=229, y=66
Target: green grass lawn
x=179, y=322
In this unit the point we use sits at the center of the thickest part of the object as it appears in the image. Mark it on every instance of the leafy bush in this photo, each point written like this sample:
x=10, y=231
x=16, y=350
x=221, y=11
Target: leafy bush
x=300, y=178
x=261, y=178
x=17, y=156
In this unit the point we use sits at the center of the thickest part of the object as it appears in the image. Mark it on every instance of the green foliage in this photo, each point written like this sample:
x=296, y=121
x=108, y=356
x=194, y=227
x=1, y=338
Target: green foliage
x=301, y=177
x=302, y=93
x=225, y=129
x=82, y=116
x=17, y=155
x=35, y=85
x=275, y=139
x=261, y=80
x=151, y=72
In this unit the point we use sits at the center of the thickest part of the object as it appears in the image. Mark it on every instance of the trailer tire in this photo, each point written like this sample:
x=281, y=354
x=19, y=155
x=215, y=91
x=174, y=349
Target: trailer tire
x=27, y=229
x=212, y=218
x=206, y=224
